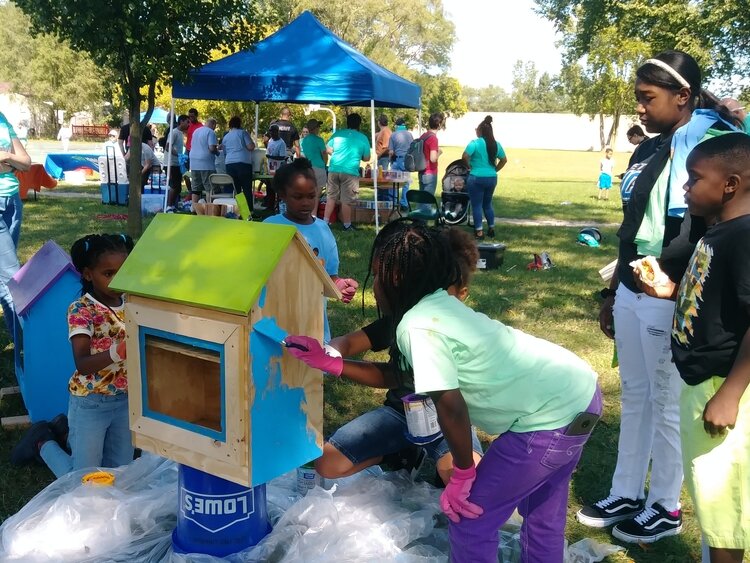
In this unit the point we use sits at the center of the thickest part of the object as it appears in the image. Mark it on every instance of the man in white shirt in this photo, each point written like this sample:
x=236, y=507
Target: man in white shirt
x=203, y=150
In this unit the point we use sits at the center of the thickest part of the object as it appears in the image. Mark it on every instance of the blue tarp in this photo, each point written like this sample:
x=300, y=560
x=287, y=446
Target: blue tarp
x=57, y=164
x=158, y=116
x=303, y=63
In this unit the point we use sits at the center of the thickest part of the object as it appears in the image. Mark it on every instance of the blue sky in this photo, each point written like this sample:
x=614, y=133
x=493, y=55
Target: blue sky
x=491, y=35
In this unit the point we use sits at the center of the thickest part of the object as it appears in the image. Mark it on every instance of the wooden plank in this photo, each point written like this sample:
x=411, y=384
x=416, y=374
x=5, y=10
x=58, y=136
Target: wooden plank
x=230, y=471
x=15, y=421
x=180, y=348
x=187, y=310
x=7, y=391
x=608, y=271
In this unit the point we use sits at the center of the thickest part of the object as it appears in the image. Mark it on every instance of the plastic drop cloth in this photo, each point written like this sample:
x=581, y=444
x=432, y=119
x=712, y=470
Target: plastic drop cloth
x=369, y=517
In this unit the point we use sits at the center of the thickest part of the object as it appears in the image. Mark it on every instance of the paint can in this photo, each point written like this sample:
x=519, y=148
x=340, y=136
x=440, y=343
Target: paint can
x=421, y=419
x=308, y=478
x=217, y=517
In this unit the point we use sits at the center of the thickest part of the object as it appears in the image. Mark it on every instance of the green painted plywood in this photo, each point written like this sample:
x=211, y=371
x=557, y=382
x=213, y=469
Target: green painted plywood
x=204, y=261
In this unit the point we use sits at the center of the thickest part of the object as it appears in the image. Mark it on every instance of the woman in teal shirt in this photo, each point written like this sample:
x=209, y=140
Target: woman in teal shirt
x=12, y=157
x=483, y=175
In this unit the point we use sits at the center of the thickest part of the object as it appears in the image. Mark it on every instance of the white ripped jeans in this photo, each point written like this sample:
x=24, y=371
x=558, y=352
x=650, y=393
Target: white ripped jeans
x=650, y=420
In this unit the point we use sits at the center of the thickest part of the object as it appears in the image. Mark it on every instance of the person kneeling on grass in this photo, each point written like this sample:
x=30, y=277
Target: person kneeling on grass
x=99, y=434
x=541, y=399
x=380, y=435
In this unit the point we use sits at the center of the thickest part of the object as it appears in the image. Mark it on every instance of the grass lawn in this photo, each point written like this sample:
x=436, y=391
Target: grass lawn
x=558, y=304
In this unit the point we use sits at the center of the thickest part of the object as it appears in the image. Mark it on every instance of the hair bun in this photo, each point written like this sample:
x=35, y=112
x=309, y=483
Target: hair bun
x=488, y=120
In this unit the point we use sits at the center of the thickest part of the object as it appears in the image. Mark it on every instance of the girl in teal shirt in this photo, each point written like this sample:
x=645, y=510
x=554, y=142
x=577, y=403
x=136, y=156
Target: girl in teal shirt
x=483, y=175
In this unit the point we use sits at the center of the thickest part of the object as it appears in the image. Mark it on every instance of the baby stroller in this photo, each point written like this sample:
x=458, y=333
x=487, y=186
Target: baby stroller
x=455, y=201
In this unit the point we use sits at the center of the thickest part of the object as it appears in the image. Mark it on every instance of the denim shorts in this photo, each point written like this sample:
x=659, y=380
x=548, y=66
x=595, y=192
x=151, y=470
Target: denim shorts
x=383, y=431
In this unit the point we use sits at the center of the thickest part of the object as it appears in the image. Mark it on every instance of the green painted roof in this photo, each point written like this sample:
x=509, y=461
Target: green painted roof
x=204, y=261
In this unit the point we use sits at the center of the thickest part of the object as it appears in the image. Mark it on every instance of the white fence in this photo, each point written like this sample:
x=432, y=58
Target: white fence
x=538, y=131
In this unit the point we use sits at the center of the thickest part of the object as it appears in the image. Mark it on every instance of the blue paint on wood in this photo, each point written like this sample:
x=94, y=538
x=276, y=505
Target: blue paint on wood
x=262, y=298
x=43, y=354
x=180, y=423
x=268, y=328
x=281, y=439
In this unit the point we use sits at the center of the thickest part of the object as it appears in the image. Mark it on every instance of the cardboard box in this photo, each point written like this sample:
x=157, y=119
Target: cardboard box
x=364, y=215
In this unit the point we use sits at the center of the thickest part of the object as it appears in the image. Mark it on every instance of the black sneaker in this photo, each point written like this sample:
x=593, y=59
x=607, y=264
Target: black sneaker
x=651, y=525
x=410, y=459
x=27, y=448
x=59, y=427
x=351, y=227
x=609, y=511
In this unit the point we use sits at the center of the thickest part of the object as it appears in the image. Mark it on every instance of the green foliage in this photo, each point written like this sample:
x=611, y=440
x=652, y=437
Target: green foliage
x=534, y=92
x=145, y=42
x=488, y=98
x=43, y=68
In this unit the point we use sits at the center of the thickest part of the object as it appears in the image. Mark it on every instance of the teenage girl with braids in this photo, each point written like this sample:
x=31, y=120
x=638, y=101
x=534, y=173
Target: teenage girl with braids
x=670, y=103
x=540, y=399
x=485, y=158
x=99, y=433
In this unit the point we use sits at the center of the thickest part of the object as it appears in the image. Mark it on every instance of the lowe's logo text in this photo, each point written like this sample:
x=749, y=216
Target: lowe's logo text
x=214, y=513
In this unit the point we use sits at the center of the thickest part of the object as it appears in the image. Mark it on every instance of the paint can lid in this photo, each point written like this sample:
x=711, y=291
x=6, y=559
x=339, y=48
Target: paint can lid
x=99, y=478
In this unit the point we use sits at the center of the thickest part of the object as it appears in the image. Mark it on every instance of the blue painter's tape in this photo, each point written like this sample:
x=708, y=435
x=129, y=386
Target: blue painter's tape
x=220, y=435
x=281, y=437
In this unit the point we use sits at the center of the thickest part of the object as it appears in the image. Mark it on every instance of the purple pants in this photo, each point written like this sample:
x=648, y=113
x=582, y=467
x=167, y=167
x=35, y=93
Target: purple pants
x=530, y=471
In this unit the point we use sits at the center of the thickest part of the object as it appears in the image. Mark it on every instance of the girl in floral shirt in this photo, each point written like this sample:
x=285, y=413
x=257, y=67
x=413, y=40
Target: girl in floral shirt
x=99, y=434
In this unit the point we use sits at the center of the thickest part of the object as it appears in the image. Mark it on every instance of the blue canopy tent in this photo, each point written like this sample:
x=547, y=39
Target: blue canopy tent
x=302, y=63
x=158, y=116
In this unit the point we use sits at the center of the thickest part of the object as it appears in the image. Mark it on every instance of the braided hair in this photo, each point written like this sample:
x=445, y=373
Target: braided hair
x=286, y=174
x=410, y=261
x=86, y=252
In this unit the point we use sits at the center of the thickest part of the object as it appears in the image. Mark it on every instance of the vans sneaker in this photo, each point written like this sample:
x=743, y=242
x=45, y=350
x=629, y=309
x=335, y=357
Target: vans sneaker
x=650, y=525
x=609, y=511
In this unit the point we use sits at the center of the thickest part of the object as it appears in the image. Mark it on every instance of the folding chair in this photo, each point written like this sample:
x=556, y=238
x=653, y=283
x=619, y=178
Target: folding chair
x=423, y=206
x=217, y=181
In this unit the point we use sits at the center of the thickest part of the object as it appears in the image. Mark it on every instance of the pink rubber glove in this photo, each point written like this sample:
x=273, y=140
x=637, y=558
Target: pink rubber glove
x=347, y=287
x=454, y=501
x=315, y=355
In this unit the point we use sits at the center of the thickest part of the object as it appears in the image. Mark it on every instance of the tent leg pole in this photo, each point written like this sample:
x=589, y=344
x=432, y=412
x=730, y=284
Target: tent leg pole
x=257, y=113
x=169, y=153
x=419, y=117
x=374, y=169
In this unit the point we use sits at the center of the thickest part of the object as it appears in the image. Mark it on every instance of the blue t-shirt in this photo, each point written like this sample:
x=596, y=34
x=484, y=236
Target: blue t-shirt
x=313, y=147
x=349, y=148
x=8, y=180
x=400, y=141
x=235, y=147
x=320, y=238
x=480, y=164
x=200, y=157
x=276, y=148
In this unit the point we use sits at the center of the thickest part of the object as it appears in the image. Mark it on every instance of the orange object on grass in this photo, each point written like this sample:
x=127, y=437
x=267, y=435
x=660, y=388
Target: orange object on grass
x=35, y=178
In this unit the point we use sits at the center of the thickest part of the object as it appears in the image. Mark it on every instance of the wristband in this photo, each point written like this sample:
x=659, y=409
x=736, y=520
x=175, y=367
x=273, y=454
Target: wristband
x=113, y=353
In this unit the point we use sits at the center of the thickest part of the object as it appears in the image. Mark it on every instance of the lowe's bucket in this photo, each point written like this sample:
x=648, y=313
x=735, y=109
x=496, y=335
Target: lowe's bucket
x=421, y=419
x=218, y=517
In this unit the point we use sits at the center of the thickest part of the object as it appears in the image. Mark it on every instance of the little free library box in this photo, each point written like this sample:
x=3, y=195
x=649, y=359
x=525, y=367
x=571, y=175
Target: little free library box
x=205, y=389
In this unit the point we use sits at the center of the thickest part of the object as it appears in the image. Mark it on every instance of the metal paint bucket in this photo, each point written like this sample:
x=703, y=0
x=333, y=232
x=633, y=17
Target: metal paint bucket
x=308, y=478
x=421, y=419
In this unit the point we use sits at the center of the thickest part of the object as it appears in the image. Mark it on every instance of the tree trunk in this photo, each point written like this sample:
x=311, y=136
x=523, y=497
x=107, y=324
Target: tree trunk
x=135, y=221
x=601, y=131
x=613, y=130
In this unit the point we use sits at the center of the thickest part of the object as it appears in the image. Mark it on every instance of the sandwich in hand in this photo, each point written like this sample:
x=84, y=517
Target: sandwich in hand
x=649, y=271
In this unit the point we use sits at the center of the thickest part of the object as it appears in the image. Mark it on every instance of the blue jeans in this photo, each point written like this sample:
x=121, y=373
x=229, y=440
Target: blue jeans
x=383, y=431
x=99, y=435
x=428, y=182
x=481, y=190
x=11, y=213
x=398, y=164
